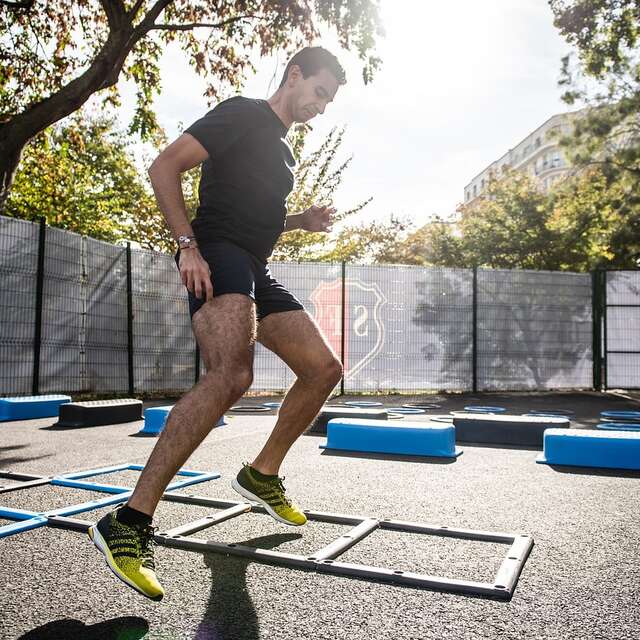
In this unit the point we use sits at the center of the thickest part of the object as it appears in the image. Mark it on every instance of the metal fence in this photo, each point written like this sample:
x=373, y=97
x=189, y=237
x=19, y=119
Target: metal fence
x=83, y=316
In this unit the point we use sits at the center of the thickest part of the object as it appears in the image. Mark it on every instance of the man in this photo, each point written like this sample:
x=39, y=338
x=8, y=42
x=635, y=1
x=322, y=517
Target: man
x=234, y=300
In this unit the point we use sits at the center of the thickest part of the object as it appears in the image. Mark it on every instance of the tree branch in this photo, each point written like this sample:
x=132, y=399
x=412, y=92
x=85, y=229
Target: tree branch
x=136, y=7
x=151, y=16
x=193, y=25
x=115, y=12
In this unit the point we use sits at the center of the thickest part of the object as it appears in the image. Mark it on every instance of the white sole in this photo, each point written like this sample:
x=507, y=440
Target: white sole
x=236, y=486
x=101, y=545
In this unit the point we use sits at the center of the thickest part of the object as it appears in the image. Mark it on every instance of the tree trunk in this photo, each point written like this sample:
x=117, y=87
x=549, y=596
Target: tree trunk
x=16, y=132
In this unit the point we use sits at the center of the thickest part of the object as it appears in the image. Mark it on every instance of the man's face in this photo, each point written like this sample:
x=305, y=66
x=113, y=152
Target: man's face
x=310, y=96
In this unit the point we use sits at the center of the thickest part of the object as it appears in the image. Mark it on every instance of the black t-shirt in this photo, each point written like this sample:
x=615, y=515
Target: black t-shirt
x=247, y=177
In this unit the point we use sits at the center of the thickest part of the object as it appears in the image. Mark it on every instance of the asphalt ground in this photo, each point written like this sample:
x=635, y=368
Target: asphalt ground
x=581, y=580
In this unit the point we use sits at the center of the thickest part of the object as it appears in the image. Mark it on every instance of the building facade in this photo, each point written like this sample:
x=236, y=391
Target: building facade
x=539, y=155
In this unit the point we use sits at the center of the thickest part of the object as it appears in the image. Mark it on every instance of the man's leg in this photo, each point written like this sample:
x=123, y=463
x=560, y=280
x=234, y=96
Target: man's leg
x=295, y=337
x=225, y=331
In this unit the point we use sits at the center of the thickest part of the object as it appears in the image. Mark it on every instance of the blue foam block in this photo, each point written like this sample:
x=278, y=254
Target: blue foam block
x=382, y=436
x=482, y=409
x=591, y=448
x=156, y=417
x=30, y=407
x=619, y=426
x=363, y=404
x=621, y=416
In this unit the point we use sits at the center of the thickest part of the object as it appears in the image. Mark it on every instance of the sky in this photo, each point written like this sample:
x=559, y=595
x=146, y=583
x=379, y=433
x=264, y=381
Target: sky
x=461, y=83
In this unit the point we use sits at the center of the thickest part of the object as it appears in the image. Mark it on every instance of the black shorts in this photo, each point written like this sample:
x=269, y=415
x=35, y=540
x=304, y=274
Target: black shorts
x=235, y=270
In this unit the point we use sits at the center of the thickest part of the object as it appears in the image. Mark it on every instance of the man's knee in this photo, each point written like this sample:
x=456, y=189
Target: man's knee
x=335, y=371
x=235, y=380
x=327, y=370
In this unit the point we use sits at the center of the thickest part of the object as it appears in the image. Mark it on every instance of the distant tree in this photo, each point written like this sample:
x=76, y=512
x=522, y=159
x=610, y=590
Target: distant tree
x=436, y=243
x=368, y=243
x=55, y=55
x=317, y=177
x=606, y=34
x=595, y=222
x=80, y=176
x=504, y=228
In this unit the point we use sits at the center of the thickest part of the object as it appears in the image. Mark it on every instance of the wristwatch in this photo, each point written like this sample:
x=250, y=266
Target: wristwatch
x=187, y=242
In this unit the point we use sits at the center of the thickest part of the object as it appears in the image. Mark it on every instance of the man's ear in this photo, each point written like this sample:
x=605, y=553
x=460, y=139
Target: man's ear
x=295, y=73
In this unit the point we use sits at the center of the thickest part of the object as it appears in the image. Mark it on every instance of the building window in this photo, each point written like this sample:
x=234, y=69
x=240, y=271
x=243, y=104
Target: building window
x=474, y=191
x=538, y=142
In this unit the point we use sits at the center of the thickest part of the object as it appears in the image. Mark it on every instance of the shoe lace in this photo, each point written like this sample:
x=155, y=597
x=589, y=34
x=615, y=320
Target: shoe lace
x=147, y=543
x=283, y=494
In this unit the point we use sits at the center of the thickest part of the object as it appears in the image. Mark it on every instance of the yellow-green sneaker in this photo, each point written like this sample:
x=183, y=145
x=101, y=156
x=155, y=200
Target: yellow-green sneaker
x=269, y=492
x=128, y=551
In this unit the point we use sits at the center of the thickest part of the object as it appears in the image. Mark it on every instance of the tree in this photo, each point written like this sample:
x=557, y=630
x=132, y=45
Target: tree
x=436, y=243
x=373, y=242
x=55, y=55
x=316, y=181
x=596, y=223
x=504, y=228
x=80, y=176
x=606, y=34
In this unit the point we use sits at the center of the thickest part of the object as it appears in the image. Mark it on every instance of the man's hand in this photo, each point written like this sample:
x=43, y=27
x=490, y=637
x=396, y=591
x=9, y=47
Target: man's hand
x=317, y=218
x=195, y=273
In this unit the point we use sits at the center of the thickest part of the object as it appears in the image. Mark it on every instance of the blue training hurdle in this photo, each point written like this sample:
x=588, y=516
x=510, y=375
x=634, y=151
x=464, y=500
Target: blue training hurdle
x=432, y=439
x=156, y=417
x=619, y=426
x=31, y=407
x=591, y=448
x=34, y=519
x=621, y=416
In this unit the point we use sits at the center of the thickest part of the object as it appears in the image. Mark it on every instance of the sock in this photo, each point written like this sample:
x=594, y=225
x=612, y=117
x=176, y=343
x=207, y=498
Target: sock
x=130, y=516
x=262, y=476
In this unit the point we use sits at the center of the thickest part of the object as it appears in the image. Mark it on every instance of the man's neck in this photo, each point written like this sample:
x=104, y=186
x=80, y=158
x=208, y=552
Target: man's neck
x=280, y=108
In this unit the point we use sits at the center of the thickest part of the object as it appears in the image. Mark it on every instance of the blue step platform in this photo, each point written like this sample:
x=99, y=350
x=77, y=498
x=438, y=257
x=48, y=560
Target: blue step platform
x=155, y=419
x=382, y=436
x=30, y=407
x=591, y=448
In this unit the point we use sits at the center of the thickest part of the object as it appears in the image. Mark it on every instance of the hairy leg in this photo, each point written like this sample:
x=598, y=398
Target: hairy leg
x=225, y=329
x=295, y=337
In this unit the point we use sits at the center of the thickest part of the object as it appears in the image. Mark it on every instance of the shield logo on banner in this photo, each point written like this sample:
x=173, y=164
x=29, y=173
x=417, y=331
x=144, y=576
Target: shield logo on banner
x=364, y=330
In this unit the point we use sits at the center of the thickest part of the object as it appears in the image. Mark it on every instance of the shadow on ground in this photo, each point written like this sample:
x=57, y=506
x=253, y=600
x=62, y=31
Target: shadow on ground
x=7, y=460
x=230, y=613
x=125, y=628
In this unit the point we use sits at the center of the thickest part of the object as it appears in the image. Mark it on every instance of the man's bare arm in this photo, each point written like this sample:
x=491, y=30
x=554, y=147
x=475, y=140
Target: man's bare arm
x=293, y=221
x=315, y=218
x=180, y=156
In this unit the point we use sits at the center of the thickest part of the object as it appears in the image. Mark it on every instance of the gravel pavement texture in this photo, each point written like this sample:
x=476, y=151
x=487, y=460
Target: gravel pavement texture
x=582, y=579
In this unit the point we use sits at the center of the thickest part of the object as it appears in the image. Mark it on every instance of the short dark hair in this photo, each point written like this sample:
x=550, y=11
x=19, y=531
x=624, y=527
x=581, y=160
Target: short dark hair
x=311, y=60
